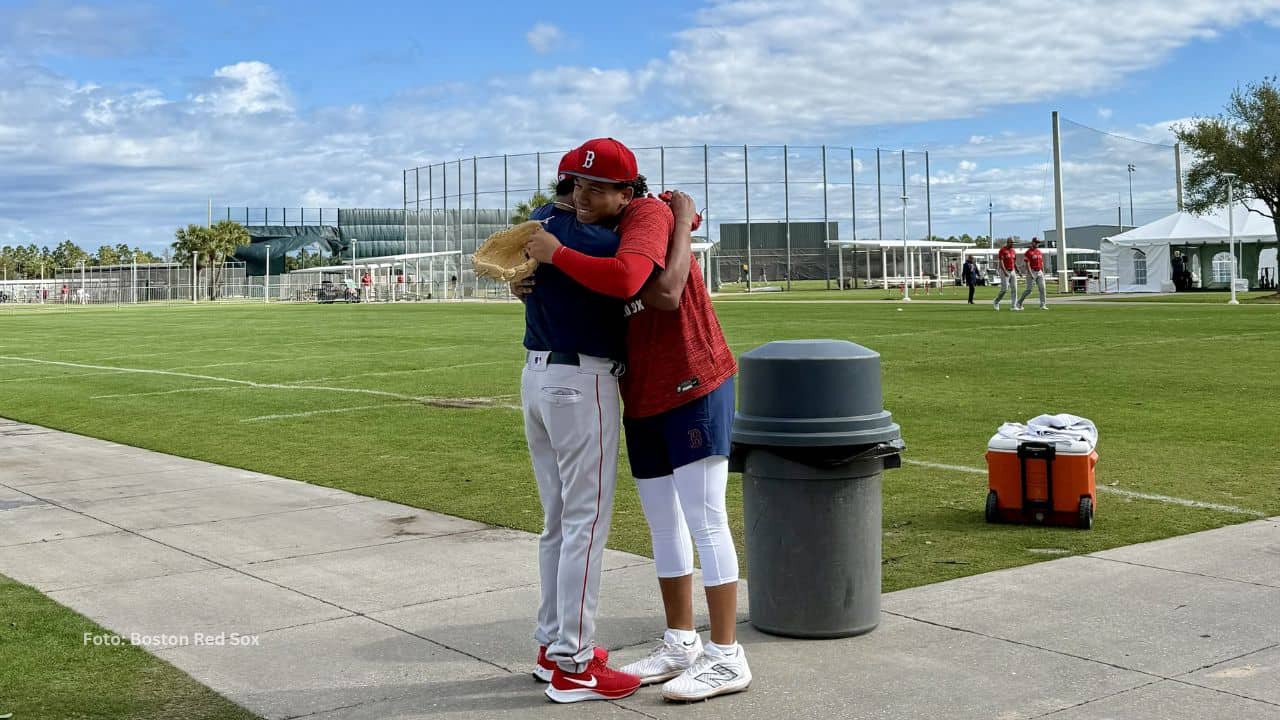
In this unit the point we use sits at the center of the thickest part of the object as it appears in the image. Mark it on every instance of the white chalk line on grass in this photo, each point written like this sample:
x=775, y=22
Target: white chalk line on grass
x=384, y=373
x=1146, y=342
x=165, y=392
x=234, y=381
x=442, y=402
x=234, y=348
x=491, y=402
x=57, y=377
x=1112, y=491
x=310, y=358
x=309, y=413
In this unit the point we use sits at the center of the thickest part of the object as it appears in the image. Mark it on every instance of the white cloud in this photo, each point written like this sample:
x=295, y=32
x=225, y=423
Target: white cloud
x=246, y=87
x=773, y=64
x=544, y=37
x=1104, y=113
x=61, y=28
x=131, y=163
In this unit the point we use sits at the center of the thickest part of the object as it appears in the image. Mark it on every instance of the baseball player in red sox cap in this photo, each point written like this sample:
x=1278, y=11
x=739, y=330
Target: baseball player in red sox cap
x=678, y=398
x=569, y=395
x=1035, y=274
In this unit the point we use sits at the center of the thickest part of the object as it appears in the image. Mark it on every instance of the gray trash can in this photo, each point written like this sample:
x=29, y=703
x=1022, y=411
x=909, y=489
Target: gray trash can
x=811, y=439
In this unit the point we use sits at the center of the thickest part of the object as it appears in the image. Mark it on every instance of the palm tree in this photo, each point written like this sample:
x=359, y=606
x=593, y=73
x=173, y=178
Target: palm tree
x=540, y=198
x=214, y=244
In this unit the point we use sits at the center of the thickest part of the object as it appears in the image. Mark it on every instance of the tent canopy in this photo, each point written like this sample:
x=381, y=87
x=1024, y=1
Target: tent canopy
x=1212, y=228
x=1141, y=258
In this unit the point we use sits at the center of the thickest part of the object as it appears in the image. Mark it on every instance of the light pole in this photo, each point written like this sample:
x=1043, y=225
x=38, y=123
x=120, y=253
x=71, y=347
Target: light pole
x=266, y=279
x=906, y=263
x=1231, y=232
x=1131, y=169
x=355, y=280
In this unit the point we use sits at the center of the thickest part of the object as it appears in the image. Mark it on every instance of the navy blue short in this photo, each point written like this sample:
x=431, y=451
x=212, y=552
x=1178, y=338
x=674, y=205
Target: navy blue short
x=696, y=430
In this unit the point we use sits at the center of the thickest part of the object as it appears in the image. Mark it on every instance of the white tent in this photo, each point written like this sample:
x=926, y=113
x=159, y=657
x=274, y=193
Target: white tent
x=1140, y=258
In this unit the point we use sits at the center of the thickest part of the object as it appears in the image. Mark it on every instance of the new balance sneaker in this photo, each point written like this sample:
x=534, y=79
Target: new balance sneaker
x=597, y=682
x=713, y=673
x=544, y=668
x=665, y=661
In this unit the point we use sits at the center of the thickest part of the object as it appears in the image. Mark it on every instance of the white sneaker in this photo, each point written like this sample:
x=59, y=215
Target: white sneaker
x=1017, y=308
x=665, y=661
x=996, y=305
x=713, y=673
x=1044, y=307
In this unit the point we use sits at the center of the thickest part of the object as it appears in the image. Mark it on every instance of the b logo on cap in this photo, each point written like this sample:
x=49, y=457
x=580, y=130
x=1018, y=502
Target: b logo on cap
x=591, y=158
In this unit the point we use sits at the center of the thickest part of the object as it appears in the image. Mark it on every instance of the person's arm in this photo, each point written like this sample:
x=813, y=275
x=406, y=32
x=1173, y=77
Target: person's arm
x=618, y=277
x=664, y=291
x=644, y=232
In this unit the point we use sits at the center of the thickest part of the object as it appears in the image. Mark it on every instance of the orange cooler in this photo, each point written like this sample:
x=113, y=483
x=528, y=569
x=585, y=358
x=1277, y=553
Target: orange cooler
x=1049, y=483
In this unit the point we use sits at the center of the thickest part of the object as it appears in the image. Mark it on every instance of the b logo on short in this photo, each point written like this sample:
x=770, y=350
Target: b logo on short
x=695, y=439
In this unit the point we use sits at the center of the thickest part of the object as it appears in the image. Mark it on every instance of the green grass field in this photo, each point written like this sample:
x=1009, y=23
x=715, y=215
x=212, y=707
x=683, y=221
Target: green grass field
x=48, y=671
x=1207, y=298
x=1184, y=396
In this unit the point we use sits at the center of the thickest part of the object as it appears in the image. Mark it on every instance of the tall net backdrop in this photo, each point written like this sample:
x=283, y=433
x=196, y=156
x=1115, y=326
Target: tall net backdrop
x=1098, y=168
x=771, y=213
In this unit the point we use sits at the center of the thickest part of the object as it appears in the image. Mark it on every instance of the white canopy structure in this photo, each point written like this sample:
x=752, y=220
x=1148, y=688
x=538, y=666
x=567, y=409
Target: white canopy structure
x=911, y=253
x=1141, y=258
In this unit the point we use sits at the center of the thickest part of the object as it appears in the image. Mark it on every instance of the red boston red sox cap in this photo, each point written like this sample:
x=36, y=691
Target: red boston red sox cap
x=567, y=163
x=603, y=160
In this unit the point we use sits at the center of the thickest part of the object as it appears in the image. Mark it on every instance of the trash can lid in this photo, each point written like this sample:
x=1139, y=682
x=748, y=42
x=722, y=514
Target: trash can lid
x=815, y=393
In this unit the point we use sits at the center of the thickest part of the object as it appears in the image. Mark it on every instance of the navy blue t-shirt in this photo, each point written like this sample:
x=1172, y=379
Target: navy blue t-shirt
x=560, y=314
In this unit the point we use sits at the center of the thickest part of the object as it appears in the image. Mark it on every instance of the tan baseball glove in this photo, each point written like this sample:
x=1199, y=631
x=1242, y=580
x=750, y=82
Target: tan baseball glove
x=502, y=256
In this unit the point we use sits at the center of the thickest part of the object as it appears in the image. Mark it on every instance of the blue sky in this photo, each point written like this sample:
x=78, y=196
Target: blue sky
x=118, y=121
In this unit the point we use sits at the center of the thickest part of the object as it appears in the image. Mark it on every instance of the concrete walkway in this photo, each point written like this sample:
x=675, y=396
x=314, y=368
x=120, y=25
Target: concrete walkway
x=362, y=609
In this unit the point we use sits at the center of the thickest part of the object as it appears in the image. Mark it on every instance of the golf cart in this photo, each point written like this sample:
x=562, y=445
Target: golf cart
x=1084, y=271
x=336, y=287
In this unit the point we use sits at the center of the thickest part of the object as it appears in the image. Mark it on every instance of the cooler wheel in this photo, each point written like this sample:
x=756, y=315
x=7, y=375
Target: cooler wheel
x=993, y=507
x=1085, y=518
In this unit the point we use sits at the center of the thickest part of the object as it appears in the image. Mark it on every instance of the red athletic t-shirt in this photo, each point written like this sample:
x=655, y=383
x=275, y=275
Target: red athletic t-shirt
x=1008, y=258
x=677, y=356
x=1035, y=259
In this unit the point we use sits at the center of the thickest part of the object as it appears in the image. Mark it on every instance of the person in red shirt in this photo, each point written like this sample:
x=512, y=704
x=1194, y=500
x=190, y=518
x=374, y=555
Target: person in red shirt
x=1006, y=265
x=366, y=284
x=1035, y=274
x=679, y=403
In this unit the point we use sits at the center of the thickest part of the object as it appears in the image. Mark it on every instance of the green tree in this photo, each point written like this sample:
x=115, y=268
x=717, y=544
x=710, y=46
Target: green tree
x=145, y=256
x=214, y=245
x=8, y=263
x=1245, y=140
x=107, y=255
x=124, y=253
x=540, y=198
x=27, y=260
x=68, y=255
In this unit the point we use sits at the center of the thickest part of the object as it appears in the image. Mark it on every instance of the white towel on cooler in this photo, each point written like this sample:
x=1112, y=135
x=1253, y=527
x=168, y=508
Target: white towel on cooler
x=1052, y=428
x=1064, y=425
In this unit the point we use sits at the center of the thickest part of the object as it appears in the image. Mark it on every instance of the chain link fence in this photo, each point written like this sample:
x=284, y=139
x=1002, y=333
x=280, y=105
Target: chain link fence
x=775, y=209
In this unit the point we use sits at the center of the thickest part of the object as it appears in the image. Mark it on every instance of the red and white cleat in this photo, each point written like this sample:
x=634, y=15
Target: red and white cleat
x=597, y=682
x=544, y=668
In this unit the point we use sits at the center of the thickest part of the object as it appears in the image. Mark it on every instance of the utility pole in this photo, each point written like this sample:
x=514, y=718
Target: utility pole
x=1059, y=211
x=1231, y=232
x=991, y=238
x=1131, y=169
